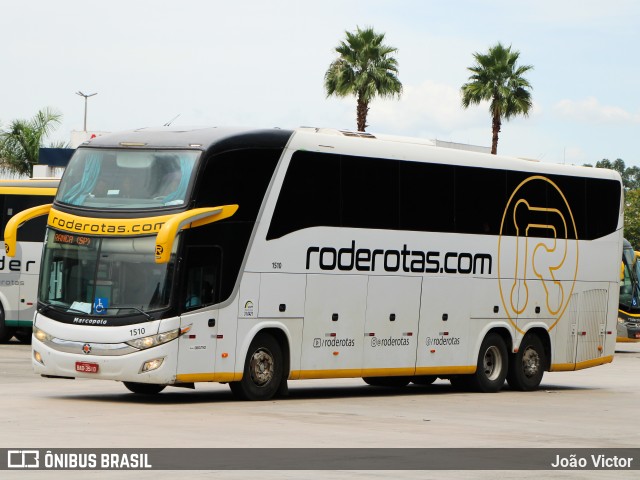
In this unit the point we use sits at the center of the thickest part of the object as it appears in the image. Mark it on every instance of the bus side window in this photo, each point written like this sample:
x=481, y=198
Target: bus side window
x=202, y=277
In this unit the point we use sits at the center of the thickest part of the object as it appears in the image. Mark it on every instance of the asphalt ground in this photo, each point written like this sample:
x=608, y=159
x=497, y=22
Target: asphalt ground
x=592, y=408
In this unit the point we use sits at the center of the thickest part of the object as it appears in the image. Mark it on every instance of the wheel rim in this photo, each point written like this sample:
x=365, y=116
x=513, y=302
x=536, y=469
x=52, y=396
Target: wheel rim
x=262, y=367
x=492, y=363
x=530, y=362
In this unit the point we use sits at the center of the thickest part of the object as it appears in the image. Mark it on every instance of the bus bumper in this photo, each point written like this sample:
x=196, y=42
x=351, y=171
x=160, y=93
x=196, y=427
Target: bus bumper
x=126, y=368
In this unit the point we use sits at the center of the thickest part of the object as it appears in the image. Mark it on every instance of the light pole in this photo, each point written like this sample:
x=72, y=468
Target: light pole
x=85, y=105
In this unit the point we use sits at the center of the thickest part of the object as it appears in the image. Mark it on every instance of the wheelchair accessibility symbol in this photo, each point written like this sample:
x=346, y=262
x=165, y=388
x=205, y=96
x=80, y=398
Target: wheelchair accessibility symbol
x=100, y=305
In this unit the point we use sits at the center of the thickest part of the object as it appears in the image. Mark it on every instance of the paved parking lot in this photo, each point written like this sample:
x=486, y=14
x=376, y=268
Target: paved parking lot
x=593, y=408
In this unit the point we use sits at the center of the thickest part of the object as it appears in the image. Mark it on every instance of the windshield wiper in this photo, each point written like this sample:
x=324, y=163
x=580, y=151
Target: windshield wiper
x=149, y=317
x=62, y=309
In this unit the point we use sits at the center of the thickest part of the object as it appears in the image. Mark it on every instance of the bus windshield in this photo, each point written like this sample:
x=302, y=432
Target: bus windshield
x=104, y=276
x=629, y=279
x=125, y=179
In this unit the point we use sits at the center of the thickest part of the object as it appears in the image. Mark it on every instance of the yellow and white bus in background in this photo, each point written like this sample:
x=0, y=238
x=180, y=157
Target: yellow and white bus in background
x=629, y=308
x=254, y=257
x=19, y=274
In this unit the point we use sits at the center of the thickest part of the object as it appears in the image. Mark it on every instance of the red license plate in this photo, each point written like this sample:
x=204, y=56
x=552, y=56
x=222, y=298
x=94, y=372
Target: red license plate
x=86, y=367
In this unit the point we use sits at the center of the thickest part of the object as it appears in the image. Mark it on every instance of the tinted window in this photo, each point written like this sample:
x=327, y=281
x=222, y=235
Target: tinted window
x=234, y=177
x=333, y=190
x=310, y=194
x=602, y=202
x=202, y=270
x=369, y=193
x=33, y=230
x=480, y=198
x=427, y=193
x=239, y=177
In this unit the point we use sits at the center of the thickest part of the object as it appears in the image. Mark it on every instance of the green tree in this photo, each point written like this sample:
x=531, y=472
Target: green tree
x=365, y=68
x=630, y=175
x=497, y=78
x=20, y=143
x=632, y=217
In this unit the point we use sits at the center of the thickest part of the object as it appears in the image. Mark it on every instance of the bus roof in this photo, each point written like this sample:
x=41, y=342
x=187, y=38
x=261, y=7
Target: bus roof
x=5, y=185
x=340, y=141
x=200, y=138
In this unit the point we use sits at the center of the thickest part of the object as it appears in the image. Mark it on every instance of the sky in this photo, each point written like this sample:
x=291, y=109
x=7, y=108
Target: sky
x=261, y=63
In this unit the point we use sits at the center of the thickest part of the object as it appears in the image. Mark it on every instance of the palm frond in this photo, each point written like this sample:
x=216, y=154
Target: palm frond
x=20, y=143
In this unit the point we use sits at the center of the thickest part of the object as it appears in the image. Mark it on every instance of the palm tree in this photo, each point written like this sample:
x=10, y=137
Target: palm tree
x=365, y=68
x=20, y=143
x=498, y=79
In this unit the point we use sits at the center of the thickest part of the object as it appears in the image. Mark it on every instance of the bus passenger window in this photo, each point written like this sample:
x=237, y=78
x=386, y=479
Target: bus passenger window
x=203, y=274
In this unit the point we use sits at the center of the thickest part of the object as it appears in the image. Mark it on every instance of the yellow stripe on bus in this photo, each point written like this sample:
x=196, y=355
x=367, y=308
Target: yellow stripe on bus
x=338, y=373
x=42, y=191
x=208, y=377
x=381, y=372
x=627, y=340
x=446, y=370
x=636, y=315
x=378, y=372
x=566, y=367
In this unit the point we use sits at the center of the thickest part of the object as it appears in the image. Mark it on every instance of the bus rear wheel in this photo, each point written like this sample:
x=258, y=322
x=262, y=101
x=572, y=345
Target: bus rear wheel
x=144, y=388
x=396, y=382
x=263, y=370
x=526, y=367
x=492, y=365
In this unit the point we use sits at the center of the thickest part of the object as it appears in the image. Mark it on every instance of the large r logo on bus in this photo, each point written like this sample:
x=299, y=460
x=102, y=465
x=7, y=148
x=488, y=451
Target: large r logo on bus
x=159, y=250
x=537, y=251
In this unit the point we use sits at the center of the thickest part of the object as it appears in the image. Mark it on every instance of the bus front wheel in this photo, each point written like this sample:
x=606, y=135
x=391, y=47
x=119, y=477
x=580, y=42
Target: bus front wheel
x=144, y=388
x=527, y=366
x=492, y=365
x=263, y=370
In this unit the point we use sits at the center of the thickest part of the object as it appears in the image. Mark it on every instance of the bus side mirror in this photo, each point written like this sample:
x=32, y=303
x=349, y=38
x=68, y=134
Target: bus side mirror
x=11, y=230
x=189, y=219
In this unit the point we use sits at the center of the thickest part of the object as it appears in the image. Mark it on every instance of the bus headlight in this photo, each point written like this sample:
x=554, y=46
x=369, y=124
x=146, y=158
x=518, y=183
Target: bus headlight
x=41, y=335
x=37, y=357
x=151, y=365
x=155, y=340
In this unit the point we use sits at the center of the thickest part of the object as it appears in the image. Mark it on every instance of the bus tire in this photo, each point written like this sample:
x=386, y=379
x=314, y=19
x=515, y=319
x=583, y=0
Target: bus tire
x=526, y=367
x=263, y=370
x=492, y=365
x=396, y=382
x=5, y=332
x=144, y=388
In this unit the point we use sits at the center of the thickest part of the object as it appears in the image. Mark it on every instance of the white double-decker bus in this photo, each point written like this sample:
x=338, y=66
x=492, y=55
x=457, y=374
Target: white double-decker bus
x=254, y=257
x=19, y=274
